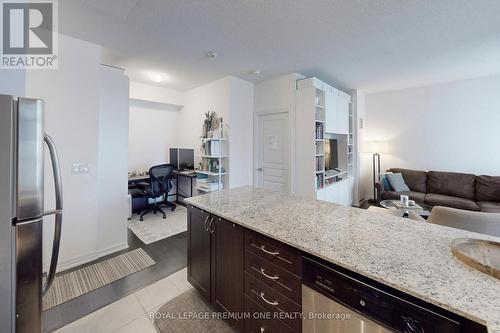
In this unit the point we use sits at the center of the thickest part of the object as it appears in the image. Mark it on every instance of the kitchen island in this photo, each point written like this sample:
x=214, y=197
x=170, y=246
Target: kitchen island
x=410, y=256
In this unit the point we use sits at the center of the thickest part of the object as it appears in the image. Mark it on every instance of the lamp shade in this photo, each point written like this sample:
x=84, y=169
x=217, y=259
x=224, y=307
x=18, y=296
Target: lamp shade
x=375, y=147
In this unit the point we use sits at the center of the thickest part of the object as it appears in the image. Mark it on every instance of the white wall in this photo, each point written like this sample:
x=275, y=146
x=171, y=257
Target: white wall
x=232, y=99
x=241, y=132
x=279, y=95
x=12, y=82
x=146, y=92
x=158, y=122
x=446, y=127
x=72, y=96
x=112, y=160
x=363, y=161
x=153, y=129
x=214, y=96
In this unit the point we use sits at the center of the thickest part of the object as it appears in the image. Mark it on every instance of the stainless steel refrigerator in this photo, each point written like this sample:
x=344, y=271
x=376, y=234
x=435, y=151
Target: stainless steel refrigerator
x=22, y=285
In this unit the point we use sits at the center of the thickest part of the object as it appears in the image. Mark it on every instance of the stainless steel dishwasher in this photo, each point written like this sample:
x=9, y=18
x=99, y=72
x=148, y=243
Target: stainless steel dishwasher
x=333, y=300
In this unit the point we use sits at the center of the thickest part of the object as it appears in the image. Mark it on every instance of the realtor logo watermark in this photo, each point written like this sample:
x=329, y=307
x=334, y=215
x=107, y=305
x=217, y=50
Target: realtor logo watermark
x=29, y=34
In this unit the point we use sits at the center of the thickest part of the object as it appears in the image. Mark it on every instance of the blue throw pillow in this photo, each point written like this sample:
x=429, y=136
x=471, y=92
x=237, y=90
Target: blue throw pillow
x=397, y=182
x=385, y=181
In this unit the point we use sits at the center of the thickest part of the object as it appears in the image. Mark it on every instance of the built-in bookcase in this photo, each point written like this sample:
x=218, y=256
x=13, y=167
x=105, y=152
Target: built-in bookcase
x=350, y=144
x=319, y=135
x=317, y=103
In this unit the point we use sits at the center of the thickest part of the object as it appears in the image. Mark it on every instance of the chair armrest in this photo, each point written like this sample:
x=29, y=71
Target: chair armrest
x=485, y=223
x=379, y=186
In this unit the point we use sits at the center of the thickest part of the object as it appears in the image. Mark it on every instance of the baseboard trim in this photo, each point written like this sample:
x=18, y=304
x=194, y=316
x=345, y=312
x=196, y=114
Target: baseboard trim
x=68, y=264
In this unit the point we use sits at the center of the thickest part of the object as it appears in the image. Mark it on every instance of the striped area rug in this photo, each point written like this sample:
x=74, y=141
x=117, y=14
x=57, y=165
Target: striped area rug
x=76, y=283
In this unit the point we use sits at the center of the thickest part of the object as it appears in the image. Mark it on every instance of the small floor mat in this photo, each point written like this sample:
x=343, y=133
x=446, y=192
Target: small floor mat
x=155, y=228
x=70, y=285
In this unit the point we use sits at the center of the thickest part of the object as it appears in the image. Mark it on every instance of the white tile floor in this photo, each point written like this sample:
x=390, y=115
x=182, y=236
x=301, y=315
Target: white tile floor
x=131, y=313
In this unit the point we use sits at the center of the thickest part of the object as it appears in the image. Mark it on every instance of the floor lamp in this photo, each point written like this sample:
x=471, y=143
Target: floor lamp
x=375, y=148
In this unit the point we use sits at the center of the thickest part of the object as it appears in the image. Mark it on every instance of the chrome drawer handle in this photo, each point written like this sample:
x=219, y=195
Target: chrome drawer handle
x=265, y=300
x=212, y=230
x=268, y=276
x=205, y=223
x=269, y=252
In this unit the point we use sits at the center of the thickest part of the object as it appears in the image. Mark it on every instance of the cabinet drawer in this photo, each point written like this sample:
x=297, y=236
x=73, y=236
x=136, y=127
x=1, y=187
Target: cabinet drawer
x=261, y=321
x=273, y=251
x=279, y=279
x=279, y=306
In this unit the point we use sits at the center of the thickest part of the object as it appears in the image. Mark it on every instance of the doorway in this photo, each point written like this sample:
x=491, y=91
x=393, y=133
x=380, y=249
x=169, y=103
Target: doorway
x=272, y=151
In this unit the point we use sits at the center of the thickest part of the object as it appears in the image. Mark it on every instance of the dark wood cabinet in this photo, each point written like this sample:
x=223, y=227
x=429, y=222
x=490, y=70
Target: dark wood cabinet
x=237, y=270
x=216, y=261
x=227, y=268
x=198, y=251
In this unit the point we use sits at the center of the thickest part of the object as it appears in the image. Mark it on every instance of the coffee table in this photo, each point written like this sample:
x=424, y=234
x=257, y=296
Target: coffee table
x=419, y=208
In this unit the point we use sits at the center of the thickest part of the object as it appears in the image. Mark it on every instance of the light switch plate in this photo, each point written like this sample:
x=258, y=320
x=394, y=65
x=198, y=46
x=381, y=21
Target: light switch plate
x=80, y=168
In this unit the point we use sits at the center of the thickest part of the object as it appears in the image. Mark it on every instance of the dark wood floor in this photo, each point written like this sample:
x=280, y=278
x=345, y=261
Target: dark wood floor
x=170, y=257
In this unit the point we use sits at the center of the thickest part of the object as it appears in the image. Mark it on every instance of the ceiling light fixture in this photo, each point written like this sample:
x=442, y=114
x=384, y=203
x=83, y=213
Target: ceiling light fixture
x=212, y=54
x=157, y=77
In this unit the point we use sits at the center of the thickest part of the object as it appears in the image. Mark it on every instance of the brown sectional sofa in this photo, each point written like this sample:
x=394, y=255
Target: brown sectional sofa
x=449, y=189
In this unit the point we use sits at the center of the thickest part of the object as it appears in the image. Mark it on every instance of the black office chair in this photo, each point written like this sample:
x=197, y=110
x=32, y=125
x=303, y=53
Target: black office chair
x=160, y=179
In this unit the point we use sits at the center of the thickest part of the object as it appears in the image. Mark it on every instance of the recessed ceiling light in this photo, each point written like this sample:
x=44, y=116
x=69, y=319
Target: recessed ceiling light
x=255, y=72
x=157, y=77
x=212, y=54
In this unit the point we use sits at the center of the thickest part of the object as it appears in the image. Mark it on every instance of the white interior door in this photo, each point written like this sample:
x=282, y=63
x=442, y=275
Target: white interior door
x=272, y=151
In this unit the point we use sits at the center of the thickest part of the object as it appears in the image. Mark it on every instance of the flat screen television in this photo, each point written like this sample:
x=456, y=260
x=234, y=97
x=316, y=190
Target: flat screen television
x=331, y=155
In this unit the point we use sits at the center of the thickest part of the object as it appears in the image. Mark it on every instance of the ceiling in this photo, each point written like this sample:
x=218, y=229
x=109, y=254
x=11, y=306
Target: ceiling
x=372, y=45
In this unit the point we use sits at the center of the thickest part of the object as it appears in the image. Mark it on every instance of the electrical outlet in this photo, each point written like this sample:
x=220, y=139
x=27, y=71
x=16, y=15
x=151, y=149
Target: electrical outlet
x=80, y=168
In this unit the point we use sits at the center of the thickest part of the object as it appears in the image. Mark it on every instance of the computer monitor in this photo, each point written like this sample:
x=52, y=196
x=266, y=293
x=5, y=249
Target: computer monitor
x=182, y=159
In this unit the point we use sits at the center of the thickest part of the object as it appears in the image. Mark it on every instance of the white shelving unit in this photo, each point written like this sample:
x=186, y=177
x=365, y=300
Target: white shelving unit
x=215, y=171
x=321, y=107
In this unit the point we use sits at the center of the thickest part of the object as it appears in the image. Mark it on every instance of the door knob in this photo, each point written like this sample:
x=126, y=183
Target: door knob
x=259, y=169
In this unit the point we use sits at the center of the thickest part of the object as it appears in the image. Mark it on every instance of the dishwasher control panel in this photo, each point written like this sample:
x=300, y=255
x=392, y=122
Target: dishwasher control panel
x=387, y=309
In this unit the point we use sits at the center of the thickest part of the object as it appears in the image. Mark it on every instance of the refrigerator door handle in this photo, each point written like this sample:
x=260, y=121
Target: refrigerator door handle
x=58, y=213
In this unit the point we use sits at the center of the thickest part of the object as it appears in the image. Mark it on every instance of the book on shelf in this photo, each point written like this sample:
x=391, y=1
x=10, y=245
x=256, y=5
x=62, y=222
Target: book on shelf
x=319, y=131
x=319, y=164
x=319, y=181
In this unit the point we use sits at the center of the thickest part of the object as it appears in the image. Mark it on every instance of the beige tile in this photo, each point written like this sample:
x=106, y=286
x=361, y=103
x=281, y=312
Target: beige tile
x=140, y=325
x=180, y=280
x=107, y=319
x=158, y=293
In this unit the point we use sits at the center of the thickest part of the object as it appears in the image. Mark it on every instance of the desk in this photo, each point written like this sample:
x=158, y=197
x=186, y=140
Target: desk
x=187, y=174
x=178, y=193
x=138, y=179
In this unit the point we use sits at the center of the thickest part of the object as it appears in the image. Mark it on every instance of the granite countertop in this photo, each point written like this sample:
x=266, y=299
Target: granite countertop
x=411, y=256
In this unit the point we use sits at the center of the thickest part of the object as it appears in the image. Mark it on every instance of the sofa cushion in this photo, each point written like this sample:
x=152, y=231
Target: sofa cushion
x=453, y=184
x=416, y=180
x=489, y=207
x=434, y=199
x=488, y=188
x=391, y=195
x=397, y=182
